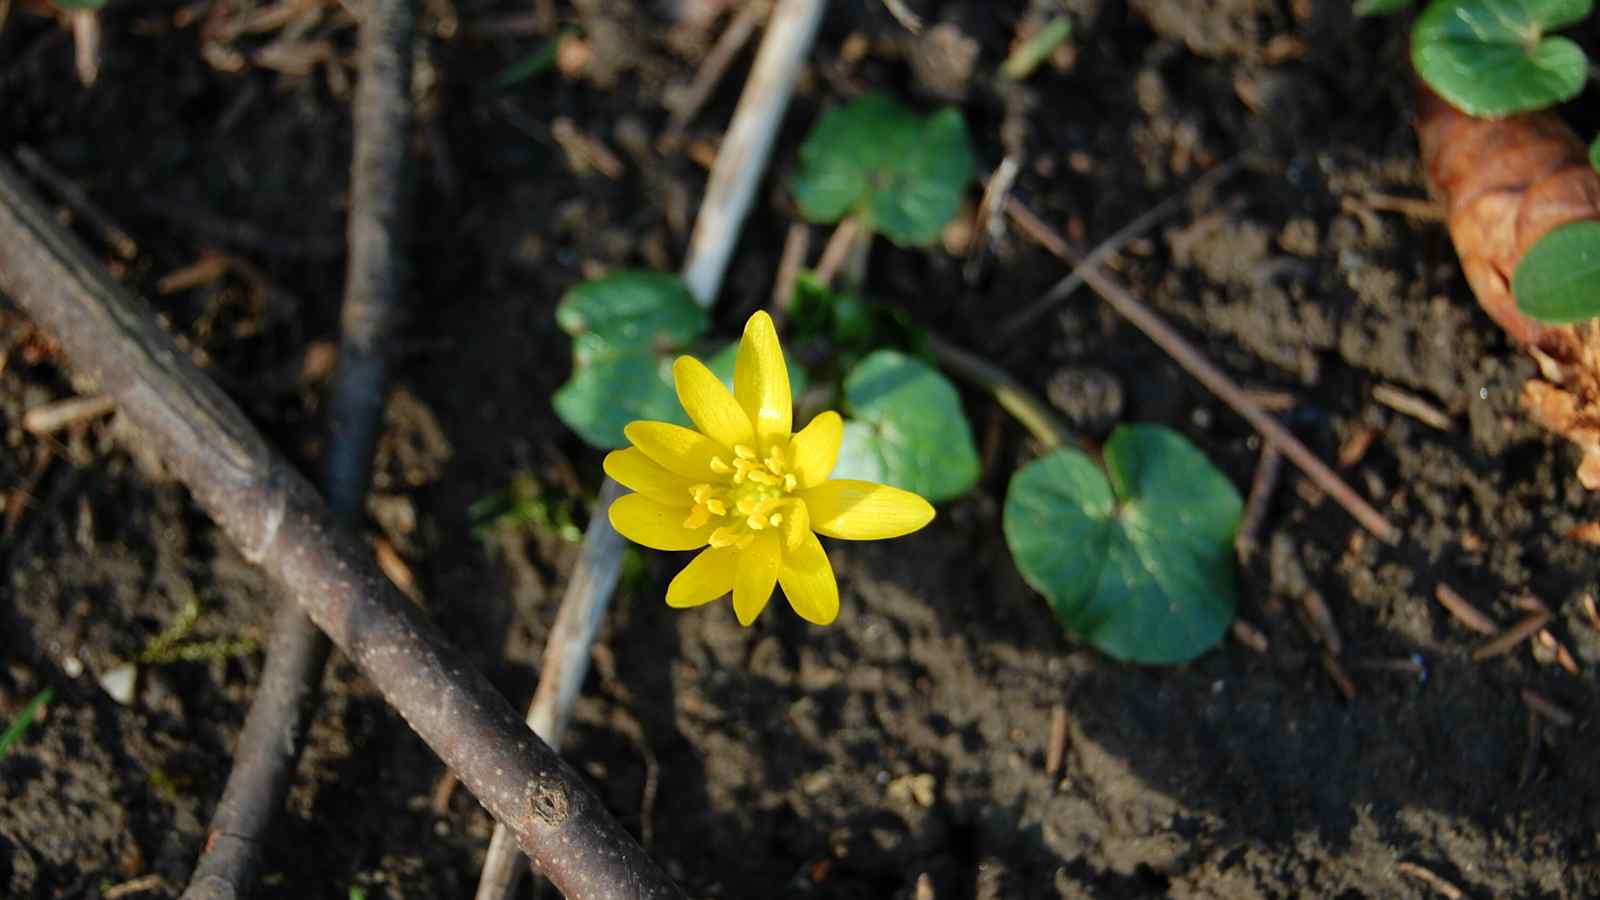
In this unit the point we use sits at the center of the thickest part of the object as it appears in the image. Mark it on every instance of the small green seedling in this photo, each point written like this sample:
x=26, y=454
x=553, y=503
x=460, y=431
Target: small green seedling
x=850, y=327
x=525, y=503
x=1493, y=58
x=903, y=175
x=16, y=729
x=1036, y=49
x=1136, y=558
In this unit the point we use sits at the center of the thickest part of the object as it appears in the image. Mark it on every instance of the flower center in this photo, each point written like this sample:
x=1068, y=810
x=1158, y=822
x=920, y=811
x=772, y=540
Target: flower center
x=757, y=496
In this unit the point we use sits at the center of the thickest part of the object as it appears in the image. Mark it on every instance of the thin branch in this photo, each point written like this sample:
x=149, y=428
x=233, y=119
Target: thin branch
x=297, y=652
x=1142, y=223
x=712, y=68
x=279, y=523
x=741, y=160
x=1195, y=363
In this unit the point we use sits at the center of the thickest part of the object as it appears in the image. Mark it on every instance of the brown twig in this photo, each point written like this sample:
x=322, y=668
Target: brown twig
x=1463, y=611
x=297, y=651
x=1192, y=361
x=796, y=245
x=1056, y=751
x=120, y=242
x=1118, y=239
x=1246, y=540
x=51, y=417
x=1548, y=708
x=1507, y=640
x=269, y=511
x=712, y=68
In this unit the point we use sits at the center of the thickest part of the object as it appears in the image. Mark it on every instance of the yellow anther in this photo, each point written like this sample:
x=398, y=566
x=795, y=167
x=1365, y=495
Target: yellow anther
x=716, y=507
x=743, y=452
x=697, y=517
x=761, y=477
x=719, y=466
x=790, y=482
x=775, y=519
x=755, y=523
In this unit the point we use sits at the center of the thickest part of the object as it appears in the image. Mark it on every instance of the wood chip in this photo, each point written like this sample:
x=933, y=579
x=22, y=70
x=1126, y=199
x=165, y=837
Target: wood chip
x=1464, y=612
x=1247, y=539
x=1356, y=445
x=1341, y=679
x=1056, y=753
x=1411, y=405
x=141, y=885
x=1433, y=880
x=205, y=270
x=1250, y=636
x=1588, y=532
x=48, y=418
x=1548, y=708
x=1507, y=640
x=1319, y=622
x=1559, y=652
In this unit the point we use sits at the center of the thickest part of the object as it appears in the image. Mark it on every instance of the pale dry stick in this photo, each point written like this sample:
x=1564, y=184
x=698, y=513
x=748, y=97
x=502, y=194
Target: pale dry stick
x=52, y=417
x=120, y=242
x=1192, y=361
x=989, y=222
x=1463, y=611
x=740, y=162
x=1418, y=208
x=1548, y=708
x=1247, y=539
x=1410, y=404
x=1507, y=640
x=1434, y=880
x=1250, y=636
x=1119, y=239
x=1056, y=751
x=712, y=68
x=270, y=512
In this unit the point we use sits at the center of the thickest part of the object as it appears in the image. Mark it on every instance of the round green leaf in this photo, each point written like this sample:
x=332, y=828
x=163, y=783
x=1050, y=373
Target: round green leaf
x=1594, y=154
x=1558, y=280
x=906, y=172
x=1491, y=58
x=907, y=430
x=1139, y=563
x=1380, y=7
x=629, y=311
x=603, y=396
x=625, y=330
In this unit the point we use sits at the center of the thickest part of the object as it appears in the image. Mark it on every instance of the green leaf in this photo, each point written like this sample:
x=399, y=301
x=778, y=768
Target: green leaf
x=89, y=5
x=905, y=172
x=1137, y=560
x=908, y=429
x=1490, y=58
x=625, y=328
x=1594, y=154
x=1380, y=7
x=1558, y=280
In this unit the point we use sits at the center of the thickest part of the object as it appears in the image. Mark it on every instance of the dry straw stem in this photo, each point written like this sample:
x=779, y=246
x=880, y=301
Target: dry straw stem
x=275, y=518
x=741, y=159
x=297, y=651
x=1195, y=363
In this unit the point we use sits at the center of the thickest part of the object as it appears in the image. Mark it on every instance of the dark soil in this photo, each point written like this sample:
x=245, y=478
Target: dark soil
x=907, y=743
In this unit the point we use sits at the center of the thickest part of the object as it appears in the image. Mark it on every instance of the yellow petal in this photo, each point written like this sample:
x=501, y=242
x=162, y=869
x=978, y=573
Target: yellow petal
x=761, y=381
x=709, y=404
x=706, y=577
x=815, y=449
x=682, y=451
x=863, y=511
x=808, y=582
x=644, y=521
x=635, y=471
x=757, y=575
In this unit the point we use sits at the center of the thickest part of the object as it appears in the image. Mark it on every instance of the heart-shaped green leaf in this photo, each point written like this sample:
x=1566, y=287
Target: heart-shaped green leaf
x=1558, y=279
x=906, y=173
x=1138, y=559
x=907, y=429
x=1491, y=58
x=625, y=330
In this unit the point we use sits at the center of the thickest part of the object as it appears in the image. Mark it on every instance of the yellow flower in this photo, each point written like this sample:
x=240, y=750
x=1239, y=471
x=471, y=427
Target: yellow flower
x=751, y=488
